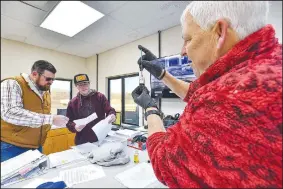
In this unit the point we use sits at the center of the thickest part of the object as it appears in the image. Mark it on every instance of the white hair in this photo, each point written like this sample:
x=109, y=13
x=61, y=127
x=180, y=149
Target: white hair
x=245, y=17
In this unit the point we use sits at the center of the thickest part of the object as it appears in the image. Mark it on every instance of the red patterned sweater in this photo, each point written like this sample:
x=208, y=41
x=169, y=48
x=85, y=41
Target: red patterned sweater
x=230, y=133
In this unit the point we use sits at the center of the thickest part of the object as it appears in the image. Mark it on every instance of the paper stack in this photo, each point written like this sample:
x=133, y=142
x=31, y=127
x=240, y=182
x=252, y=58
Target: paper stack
x=128, y=133
x=61, y=158
x=24, y=166
x=116, y=139
x=85, y=148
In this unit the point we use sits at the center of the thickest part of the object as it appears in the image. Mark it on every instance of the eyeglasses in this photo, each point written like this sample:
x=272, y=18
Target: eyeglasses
x=47, y=78
x=82, y=84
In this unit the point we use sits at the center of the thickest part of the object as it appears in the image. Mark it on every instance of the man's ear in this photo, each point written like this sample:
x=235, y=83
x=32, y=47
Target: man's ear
x=34, y=73
x=220, y=28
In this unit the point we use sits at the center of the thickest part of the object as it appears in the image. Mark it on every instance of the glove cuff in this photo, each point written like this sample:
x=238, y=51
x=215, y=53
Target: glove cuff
x=151, y=104
x=152, y=112
x=162, y=75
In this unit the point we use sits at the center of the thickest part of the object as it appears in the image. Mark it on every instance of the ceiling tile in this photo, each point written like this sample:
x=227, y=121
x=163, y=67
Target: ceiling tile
x=105, y=7
x=38, y=4
x=102, y=31
x=125, y=21
x=46, y=38
x=108, y=34
x=114, y=42
x=44, y=5
x=79, y=48
x=144, y=12
x=161, y=24
x=14, y=29
x=22, y=12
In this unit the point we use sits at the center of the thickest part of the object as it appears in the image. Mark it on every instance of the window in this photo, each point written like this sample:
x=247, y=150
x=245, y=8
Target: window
x=116, y=94
x=120, y=97
x=61, y=94
x=131, y=111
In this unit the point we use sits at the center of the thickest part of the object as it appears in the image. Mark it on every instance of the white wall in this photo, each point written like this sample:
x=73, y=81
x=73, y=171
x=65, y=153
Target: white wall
x=275, y=18
x=171, y=41
x=91, y=65
x=17, y=57
x=123, y=60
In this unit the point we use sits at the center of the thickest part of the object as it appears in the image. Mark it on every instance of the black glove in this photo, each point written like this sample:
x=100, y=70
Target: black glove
x=149, y=56
x=147, y=62
x=142, y=98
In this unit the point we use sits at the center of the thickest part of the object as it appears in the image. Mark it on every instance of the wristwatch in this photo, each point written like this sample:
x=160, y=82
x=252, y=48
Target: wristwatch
x=147, y=113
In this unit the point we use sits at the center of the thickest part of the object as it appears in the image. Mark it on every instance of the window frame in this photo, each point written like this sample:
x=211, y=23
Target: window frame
x=71, y=86
x=122, y=77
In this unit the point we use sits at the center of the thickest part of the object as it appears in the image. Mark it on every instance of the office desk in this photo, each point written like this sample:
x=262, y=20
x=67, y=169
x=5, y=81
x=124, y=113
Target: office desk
x=108, y=181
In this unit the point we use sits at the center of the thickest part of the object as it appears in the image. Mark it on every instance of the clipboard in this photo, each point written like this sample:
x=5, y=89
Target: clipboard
x=18, y=169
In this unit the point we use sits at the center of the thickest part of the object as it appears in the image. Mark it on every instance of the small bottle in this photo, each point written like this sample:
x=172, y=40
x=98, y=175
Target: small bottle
x=136, y=157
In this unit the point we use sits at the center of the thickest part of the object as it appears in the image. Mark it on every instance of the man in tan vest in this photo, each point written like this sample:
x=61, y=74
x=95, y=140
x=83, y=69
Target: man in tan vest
x=25, y=110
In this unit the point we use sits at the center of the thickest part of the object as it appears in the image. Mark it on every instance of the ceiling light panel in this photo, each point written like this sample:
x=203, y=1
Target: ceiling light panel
x=71, y=17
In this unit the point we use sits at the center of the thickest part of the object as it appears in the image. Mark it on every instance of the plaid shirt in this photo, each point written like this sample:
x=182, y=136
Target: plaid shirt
x=12, y=108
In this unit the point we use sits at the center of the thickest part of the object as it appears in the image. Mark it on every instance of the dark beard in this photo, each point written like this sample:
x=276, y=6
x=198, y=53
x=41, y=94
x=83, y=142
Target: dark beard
x=42, y=87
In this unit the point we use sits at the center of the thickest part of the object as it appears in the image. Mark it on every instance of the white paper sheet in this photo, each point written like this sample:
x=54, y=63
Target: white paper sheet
x=140, y=176
x=81, y=174
x=67, y=156
x=128, y=133
x=86, y=120
x=108, y=118
x=115, y=139
x=112, y=133
x=101, y=130
x=19, y=161
x=84, y=148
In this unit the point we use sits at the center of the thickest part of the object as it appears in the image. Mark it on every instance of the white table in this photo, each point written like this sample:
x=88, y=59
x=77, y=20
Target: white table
x=108, y=181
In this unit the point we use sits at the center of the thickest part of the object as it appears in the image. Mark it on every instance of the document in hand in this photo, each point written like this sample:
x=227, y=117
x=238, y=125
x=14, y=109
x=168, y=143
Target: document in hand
x=101, y=129
x=86, y=120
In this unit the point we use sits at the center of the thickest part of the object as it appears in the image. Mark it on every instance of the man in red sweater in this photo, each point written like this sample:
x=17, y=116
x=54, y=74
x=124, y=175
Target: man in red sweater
x=230, y=133
x=87, y=102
